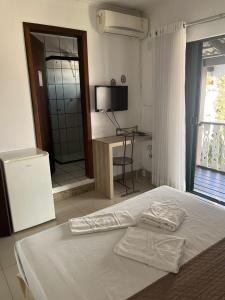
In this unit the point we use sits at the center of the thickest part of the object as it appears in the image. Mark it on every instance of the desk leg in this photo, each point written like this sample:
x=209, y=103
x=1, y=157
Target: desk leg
x=103, y=169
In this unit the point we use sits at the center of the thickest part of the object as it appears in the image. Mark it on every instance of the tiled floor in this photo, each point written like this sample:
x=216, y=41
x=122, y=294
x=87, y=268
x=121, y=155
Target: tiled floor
x=65, y=209
x=68, y=173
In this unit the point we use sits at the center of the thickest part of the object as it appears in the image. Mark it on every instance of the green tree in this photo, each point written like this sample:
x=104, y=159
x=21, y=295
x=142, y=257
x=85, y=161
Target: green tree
x=220, y=100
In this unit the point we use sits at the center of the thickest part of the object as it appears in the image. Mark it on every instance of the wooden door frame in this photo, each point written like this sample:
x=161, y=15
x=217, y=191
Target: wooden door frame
x=84, y=83
x=6, y=227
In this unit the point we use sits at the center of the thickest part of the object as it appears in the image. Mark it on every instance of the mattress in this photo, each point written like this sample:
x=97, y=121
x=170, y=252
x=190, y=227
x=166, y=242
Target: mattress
x=57, y=265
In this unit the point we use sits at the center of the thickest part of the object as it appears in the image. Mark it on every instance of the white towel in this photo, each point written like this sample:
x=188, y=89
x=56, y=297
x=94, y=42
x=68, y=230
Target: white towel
x=160, y=251
x=166, y=215
x=103, y=222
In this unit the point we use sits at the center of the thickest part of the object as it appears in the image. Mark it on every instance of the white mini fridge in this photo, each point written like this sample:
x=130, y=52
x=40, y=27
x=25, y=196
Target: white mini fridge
x=29, y=187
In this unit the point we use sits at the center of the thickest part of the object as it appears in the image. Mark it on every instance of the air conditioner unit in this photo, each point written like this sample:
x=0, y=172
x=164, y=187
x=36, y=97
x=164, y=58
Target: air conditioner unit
x=118, y=23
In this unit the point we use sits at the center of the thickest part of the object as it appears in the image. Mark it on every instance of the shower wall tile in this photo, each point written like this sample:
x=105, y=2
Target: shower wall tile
x=64, y=98
x=60, y=106
x=50, y=76
x=72, y=134
x=54, y=122
x=62, y=121
x=77, y=90
x=67, y=65
x=64, y=148
x=70, y=106
x=63, y=135
x=68, y=76
x=75, y=120
x=74, y=147
x=70, y=91
x=58, y=76
x=53, y=107
x=77, y=76
x=81, y=146
x=57, y=148
x=73, y=64
x=78, y=105
x=51, y=92
x=57, y=64
x=76, y=64
x=59, y=92
x=55, y=135
x=70, y=120
x=71, y=148
x=50, y=64
x=78, y=120
x=81, y=135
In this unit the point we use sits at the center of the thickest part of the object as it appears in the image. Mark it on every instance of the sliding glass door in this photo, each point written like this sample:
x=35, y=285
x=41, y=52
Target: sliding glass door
x=192, y=91
x=205, y=118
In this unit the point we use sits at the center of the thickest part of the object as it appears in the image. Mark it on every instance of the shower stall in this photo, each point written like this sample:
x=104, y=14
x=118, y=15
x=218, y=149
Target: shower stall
x=63, y=81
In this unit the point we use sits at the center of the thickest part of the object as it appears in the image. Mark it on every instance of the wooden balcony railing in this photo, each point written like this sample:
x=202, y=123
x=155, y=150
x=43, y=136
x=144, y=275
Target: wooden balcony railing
x=211, y=145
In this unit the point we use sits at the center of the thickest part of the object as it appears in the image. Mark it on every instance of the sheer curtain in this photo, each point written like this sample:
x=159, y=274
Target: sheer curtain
x=168, y=46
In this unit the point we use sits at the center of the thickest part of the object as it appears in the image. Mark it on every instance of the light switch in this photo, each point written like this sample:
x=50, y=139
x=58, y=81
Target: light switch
x=40, y=78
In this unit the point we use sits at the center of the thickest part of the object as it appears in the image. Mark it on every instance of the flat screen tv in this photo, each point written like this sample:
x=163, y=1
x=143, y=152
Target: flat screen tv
x=111, y=98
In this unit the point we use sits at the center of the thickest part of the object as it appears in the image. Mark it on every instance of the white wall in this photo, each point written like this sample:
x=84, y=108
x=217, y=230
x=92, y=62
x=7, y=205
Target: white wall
x=109, y=57
x=165, y=13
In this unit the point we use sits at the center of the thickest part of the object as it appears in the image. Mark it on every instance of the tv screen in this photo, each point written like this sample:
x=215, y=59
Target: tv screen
x=111, y=98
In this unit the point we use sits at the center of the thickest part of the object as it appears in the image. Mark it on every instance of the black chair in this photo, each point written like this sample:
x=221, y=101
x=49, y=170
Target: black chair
x=128, y=135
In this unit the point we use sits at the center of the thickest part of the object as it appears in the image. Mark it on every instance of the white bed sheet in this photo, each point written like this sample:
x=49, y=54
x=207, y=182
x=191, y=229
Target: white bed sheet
x=58, y=265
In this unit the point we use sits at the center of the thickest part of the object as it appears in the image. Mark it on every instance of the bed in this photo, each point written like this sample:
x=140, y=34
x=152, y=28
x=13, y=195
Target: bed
x=56, y=265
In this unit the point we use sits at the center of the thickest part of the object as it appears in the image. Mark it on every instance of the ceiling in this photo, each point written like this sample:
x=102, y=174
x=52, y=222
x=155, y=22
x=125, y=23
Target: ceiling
x=134, y=4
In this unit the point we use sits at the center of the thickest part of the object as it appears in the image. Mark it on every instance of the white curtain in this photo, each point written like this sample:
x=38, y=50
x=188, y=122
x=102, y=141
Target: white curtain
x=168, y=45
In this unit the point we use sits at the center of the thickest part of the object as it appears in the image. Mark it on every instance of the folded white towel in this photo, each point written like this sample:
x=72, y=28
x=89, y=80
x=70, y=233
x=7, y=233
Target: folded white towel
x=103, y=222
x=166, y=215
x=161, y=251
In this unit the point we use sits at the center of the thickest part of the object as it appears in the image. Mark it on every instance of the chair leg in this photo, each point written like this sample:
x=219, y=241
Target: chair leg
x=132, y=175
x=123, y=174
x=125, y=183
x=132, y=178
x=122, y=179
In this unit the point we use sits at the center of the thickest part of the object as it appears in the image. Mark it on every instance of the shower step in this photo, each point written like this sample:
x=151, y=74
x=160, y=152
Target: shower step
x=73, y=189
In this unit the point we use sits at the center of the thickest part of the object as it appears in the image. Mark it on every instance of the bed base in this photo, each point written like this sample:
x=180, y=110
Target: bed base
x=201, y=278
x=25, y=290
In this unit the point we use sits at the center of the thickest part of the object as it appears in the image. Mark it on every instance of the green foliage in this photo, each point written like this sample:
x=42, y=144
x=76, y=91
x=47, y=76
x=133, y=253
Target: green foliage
x=220, y=100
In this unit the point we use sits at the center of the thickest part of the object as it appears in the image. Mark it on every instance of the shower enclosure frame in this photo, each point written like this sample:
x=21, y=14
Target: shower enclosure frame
x=84, y=84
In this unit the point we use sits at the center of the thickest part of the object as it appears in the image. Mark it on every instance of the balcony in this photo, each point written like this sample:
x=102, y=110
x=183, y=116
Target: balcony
x=210, y=163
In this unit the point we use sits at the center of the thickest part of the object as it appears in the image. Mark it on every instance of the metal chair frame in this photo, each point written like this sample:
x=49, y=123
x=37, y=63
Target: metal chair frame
x=129, y=136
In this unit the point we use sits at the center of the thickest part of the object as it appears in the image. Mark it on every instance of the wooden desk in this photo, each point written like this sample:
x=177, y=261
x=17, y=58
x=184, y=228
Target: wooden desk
x=103, y=162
